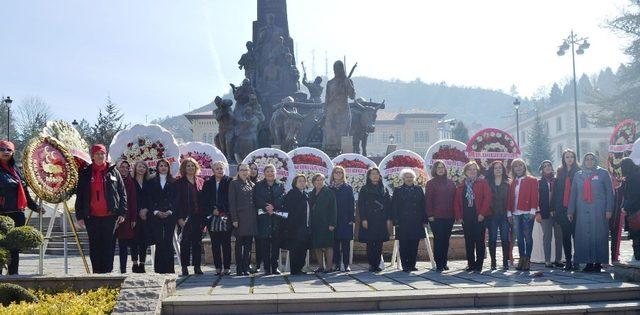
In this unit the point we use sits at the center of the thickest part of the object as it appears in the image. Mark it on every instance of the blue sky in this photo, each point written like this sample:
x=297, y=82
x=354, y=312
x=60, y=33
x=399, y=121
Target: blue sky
x=158, y=58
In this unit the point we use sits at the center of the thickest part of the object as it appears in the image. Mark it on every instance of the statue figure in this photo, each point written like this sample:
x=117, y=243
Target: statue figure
x=293, y=75
x=224, y=139
x=315, y=88
x=363, y=122
x=268, y=32
x=271, y=76
x=248, y=62
x=246, y=135
x=285, y=124
x=337, y=114
x=241, y=93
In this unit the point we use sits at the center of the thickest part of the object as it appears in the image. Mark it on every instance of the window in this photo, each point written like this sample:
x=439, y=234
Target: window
x=420, y=136
x=204, y=137
x=559, y=124
x=560, y=149
x=398, y=136
x=371, y=138
x=523, y=137
x=584, y=121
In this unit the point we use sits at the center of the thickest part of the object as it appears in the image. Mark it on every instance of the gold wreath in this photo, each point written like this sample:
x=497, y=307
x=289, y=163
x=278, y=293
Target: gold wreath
x=70, y=169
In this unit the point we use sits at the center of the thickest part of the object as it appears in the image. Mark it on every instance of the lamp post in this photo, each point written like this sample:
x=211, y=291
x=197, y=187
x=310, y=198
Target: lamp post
x=8, y=102
x=571, y=42
x=452, y=125
x=391, y=139
x=516, y=105
x=74, y=123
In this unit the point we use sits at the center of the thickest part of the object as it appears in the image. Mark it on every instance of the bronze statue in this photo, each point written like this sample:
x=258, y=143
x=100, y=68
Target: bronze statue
x=224, y=139
x=285, y=124
x=241, y=93
x=337, y=114
x=315, y=88
x=269, y=32
x=248, y=62
x=363, y=122
x=293, y=75
x=246, y=129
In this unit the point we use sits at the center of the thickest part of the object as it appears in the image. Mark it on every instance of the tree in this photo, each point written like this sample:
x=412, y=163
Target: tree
x=624, y=102
x=539, y=148
x=108, y=124
x=460, y=132
x=85, y=130
x=555, y=96
x=585, y=88
x=32, y=115
x=606, y=83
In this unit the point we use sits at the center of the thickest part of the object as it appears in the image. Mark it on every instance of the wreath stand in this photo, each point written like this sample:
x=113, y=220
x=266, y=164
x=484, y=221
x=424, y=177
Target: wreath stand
x=395, y=257
x=65, y=212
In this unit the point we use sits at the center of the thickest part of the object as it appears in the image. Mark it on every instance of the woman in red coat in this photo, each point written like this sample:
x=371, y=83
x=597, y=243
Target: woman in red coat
x=125, y=232
x=439, y=195
x=471, y=204
x=522, y=207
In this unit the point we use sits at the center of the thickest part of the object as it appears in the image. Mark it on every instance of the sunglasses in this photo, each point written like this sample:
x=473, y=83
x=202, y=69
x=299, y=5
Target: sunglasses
x=6, y=150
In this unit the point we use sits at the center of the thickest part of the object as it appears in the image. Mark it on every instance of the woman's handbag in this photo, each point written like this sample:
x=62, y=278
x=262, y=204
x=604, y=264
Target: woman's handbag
x=219, y=224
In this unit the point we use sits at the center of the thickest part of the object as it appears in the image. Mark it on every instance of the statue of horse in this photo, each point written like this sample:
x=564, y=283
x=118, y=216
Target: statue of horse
x=363, y=122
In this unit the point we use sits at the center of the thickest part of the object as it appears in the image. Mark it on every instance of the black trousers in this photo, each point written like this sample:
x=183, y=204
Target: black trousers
x=19, y=220
x=243, y=252
x=221, y=248
x=101, y=242
x=408, y=253
x=124, y=246
x=259, y=255
x=298, y=257
x=568, y=230
x=474, y=240
x=140, y=240
x=374, y=251
x=441, y=229
x=191, y=242
x=636, y=247
x=341, y=253
x=163, y=237
x=270, y=250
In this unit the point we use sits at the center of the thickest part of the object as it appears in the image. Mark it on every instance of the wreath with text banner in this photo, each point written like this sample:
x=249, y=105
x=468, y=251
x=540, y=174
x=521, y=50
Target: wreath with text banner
x=490, y=145
x=620, y=145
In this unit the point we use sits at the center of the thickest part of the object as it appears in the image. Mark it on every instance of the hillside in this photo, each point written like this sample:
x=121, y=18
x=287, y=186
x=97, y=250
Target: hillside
x=471, y=105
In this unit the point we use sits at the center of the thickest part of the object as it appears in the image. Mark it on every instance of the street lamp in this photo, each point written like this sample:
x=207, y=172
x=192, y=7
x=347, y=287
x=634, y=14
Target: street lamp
x=571, y=42
x=74, y=123
x=8, y=102
x=516, y=105
x=391, y=139
x=452, y=125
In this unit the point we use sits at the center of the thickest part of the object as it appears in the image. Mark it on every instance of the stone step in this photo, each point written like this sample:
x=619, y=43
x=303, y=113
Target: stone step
x=469, y=299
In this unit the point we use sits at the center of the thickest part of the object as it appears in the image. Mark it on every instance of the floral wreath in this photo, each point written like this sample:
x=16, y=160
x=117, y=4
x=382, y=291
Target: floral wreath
x=491, y=144
x=36, y=167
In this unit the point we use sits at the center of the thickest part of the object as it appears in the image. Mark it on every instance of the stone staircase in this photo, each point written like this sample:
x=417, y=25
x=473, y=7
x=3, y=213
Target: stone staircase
x=56, y=243
x=598, y=298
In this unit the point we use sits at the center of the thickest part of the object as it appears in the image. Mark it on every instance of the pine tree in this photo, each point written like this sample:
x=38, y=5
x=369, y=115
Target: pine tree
x=585, y=88
x=85, y=130
x=539, y=148
x=460, y=132
x=555, y=96
x=108, y=124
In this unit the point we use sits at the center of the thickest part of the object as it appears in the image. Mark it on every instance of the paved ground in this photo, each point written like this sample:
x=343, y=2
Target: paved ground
x=359, y=280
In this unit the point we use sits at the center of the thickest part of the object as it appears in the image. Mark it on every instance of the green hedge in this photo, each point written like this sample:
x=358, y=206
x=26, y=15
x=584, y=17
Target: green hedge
x=100, y=301
x=22, y=237
x=6, y=224
x=10, y=293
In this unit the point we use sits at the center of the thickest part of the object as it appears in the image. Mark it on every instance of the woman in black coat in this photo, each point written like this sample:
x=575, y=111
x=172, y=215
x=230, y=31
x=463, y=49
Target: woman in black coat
x=296, y=231
x=14, y=196
x=161, y=195
x=346, y=217
x=561, y=193
x=142, y=232
x=215, y=204
x=409, y=217
x=631, y=206
x=375, y=219
x=267, y=198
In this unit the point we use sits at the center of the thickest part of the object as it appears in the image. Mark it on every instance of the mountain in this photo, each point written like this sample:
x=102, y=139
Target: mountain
x=474, y=106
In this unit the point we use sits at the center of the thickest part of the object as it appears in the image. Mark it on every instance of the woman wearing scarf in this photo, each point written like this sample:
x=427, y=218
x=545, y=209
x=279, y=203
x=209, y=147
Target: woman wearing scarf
x=244, y=217
x=161, y=197
x=296, y=229
x=267, y=198
x=323, y=222
x=101, y=204
x=498, y=180
x=215, y=203
x=190, y=215
x=561, y=196
x=409, y=217
x=375, y=219
x=591, y=206
x=471, y=205
x=345, y=203
x=439, y=196
x=522, y=207
x=547, y=215
x=253, y=177
x=125, y=232
x=14, y=195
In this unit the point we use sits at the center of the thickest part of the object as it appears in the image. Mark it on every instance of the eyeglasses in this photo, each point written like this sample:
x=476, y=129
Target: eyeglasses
x=6, y=150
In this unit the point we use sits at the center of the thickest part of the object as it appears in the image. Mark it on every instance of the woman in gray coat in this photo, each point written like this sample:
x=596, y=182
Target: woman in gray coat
x=244, y=217
x=591, y=206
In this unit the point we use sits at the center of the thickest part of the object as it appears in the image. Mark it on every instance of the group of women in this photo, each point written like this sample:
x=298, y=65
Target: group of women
x=124, y=202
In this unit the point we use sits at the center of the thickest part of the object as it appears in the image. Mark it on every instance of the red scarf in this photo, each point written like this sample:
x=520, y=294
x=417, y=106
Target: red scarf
x=567, y=192
x=98, y=200
x=21, y=204
x=588, y=190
